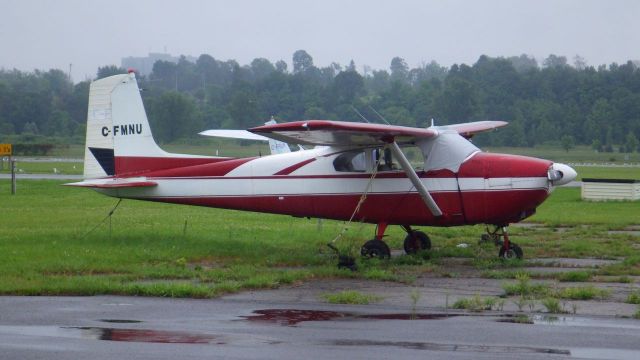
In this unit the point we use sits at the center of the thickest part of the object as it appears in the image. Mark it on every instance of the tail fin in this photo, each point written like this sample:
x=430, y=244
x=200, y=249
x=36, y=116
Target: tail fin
x=276, y=146
x=118, y=132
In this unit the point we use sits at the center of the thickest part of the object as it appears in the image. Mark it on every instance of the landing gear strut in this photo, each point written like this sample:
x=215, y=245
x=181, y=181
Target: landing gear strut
x=508, y=249
x=376, y=248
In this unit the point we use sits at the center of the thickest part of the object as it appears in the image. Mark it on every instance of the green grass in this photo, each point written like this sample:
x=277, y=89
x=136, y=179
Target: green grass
x=475, y=303
x=351, y=297
x=583, y=293
x=634, y=297
x=46, y=247
x=69, y=168
x=575, y=276
x=523, y=287
x=608, y=172
x=552, y=305
x=565, y=207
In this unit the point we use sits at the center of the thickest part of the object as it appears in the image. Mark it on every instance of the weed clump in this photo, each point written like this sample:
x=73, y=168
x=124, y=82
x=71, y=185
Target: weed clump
x=552, y=305
x=575, y=276
x=583, y=293
x=475, y=304
x=634, y=297
x=524, y=287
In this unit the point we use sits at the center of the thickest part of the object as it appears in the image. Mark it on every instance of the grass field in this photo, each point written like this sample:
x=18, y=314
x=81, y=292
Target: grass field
x=54, y=167
x=47, y=246
x=608, y=172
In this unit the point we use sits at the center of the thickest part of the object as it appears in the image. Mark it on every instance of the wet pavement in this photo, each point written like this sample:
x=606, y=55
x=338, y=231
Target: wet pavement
x=260, y=327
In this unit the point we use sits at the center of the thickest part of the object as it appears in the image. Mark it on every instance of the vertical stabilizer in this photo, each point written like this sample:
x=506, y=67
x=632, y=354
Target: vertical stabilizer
x=131, y=131
x=119, y=139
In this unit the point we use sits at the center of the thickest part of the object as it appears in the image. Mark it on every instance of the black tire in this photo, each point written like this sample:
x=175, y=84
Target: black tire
x=375, y=249
x=416, y=241
x=514, y=252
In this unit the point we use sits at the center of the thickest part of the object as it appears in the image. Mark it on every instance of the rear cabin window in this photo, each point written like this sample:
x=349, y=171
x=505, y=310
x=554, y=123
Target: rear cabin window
x=352, y=161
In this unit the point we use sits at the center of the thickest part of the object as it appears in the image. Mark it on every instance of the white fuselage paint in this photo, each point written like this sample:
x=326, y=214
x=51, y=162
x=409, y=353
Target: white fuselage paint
x=255, y=178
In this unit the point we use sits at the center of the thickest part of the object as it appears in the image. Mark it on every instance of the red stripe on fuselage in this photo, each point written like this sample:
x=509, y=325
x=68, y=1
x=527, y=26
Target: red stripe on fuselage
x=503, y=206
x=218, y=169
x=138, y=165
x=292, y=168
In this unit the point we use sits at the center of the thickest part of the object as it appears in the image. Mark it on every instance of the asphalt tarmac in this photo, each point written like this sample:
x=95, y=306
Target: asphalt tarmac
x=114, y=327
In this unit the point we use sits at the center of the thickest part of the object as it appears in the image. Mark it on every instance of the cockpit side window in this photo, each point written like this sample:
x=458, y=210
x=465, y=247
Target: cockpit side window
x=351, y=161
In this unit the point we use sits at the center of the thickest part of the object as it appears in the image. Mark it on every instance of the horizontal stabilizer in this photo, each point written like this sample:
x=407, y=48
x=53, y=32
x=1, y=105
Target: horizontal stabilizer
x=115, y=183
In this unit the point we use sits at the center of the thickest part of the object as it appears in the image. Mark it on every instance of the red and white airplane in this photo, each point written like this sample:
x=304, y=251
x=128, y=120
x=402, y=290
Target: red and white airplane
x=354, y=171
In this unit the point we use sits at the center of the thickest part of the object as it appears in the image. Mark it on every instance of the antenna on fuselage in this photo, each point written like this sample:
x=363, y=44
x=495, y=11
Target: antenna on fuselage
x=433, y=122
x=379, y=115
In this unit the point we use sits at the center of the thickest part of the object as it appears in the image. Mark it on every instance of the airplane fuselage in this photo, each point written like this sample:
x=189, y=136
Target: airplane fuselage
x=487, y=188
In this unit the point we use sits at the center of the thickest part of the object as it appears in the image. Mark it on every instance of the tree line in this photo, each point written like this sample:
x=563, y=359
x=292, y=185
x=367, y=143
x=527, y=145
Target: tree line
x=550, y=103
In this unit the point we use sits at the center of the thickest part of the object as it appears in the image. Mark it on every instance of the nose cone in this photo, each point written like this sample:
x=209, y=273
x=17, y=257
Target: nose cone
x=561, y=174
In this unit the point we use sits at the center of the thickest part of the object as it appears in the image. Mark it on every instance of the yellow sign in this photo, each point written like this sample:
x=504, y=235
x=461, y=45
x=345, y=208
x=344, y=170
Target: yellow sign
x=5, y=149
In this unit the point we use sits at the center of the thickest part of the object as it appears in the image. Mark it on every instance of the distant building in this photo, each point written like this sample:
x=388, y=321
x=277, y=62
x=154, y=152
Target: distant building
x=144, y=65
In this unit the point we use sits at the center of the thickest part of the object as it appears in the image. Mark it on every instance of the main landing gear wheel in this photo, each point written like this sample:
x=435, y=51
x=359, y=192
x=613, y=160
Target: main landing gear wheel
x=416, y=241
x=514, y=252
x=375, y=249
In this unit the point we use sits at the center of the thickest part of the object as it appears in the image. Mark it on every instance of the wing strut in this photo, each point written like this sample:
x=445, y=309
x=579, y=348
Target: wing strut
x=411, y=173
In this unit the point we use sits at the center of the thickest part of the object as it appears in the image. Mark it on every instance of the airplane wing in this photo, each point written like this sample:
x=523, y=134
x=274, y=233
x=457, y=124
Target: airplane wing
x=234, y=134
x=325, y=132
x=469, y=129
x=276, y=147
x=111, y=183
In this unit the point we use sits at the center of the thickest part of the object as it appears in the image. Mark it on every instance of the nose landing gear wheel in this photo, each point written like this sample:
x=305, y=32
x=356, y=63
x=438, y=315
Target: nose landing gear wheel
x=514, y=252
x=416, y=241
x=375, y=249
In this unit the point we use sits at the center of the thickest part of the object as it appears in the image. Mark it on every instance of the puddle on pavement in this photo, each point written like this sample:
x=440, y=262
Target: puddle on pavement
x=601, y=353
x=293, y=317
x=142, y=335
x=559, y=320
x=512, y=350
x=115, y=334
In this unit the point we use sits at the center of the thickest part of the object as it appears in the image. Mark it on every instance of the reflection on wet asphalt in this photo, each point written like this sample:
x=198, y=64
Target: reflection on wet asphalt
x=293, y=316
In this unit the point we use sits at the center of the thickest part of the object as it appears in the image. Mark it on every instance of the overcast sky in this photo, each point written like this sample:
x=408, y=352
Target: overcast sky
x=52, y=34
